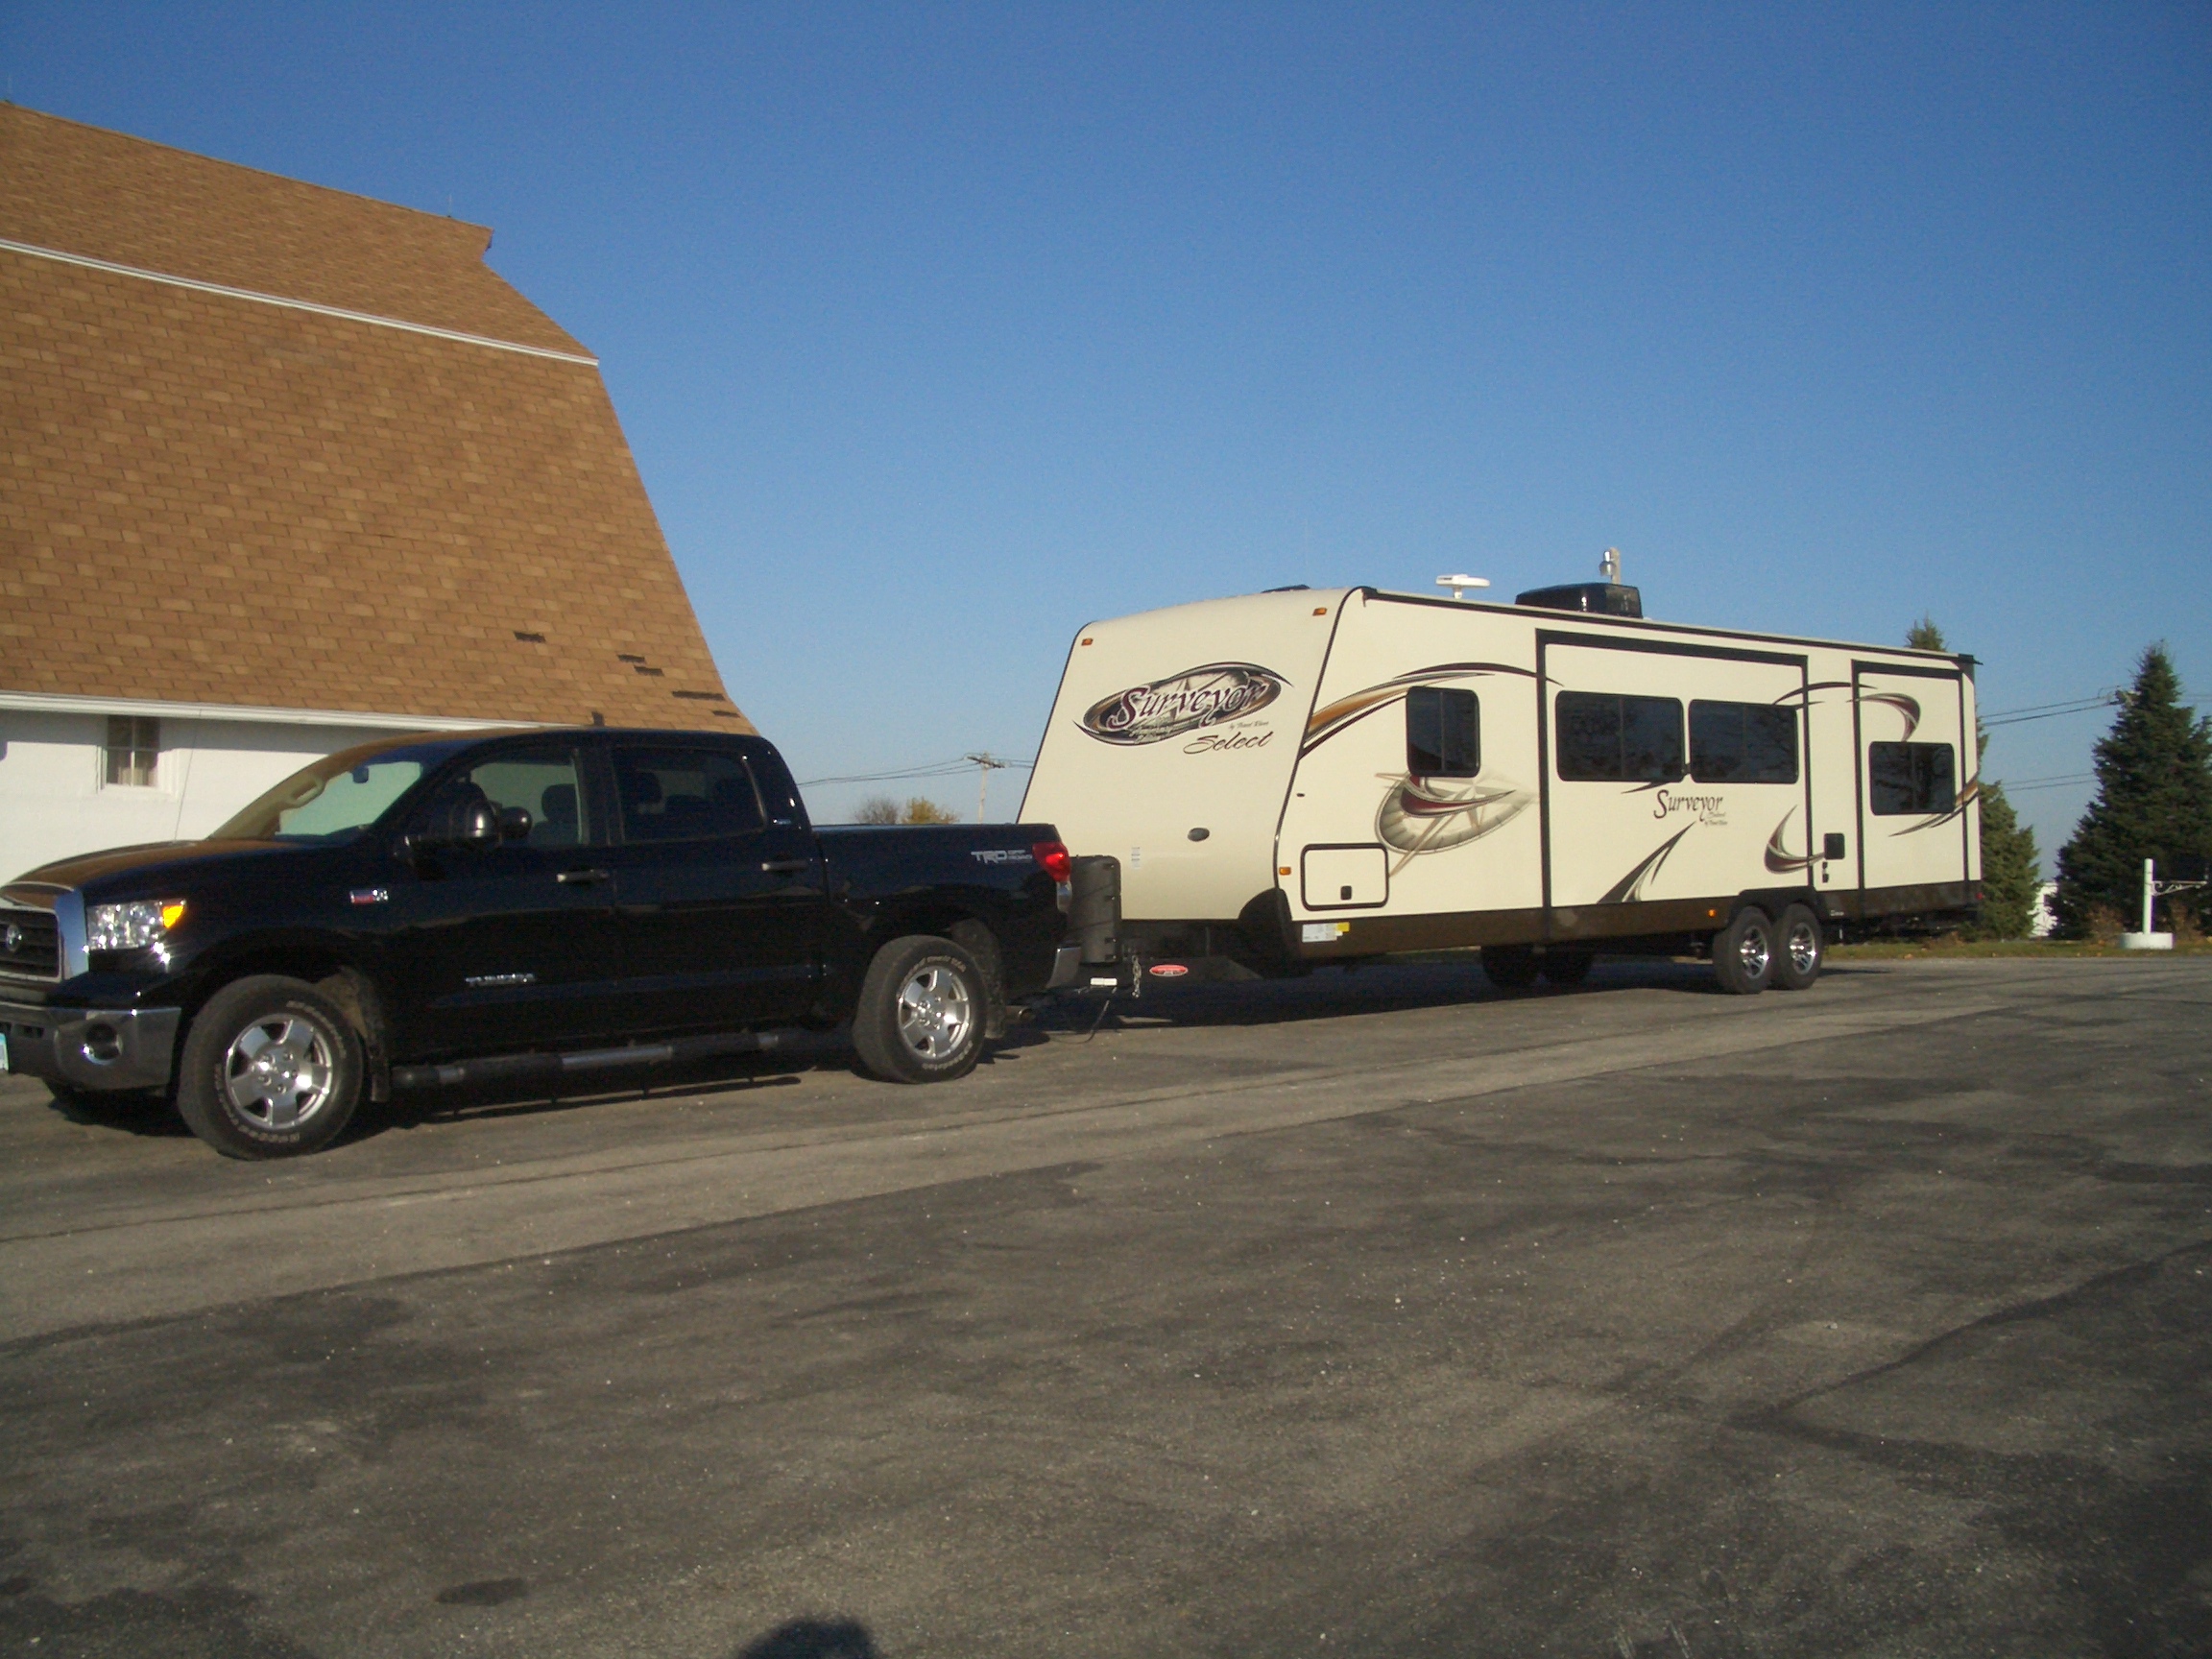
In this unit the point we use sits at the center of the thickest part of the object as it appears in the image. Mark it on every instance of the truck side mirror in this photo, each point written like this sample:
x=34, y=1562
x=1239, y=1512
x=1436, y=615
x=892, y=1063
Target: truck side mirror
x=476, y=826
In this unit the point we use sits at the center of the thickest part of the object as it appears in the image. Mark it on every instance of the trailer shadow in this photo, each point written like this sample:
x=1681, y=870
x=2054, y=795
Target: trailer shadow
x=1362, y=988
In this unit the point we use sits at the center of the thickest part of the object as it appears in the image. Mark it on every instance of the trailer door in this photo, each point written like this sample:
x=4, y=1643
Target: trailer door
x=1916, y=762
x=1674, y=773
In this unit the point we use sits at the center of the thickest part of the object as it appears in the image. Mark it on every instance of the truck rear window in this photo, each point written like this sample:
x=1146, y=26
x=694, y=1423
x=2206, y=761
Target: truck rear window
x=671, y=794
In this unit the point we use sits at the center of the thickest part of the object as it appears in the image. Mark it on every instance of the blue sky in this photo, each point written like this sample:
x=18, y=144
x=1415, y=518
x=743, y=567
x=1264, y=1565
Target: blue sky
x=940, y=330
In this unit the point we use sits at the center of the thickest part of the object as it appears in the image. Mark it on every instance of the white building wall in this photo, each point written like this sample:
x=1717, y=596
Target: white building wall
x=56, y=802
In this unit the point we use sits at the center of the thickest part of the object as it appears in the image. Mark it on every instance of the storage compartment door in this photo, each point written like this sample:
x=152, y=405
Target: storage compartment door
x=1345, y=877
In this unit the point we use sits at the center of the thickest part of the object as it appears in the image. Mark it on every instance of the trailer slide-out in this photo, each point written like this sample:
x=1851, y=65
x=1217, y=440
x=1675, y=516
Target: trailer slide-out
x=1254, y=785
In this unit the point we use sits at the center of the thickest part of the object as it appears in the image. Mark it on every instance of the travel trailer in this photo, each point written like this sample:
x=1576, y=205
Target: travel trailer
x=1258, y=784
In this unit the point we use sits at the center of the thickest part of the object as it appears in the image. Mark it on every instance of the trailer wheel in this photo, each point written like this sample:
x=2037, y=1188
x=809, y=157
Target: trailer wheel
x=1743, y=952
x=269, y=1069
x=920, y=1017
x=1567, y=967
x=1797, y=962
x=1510, y=966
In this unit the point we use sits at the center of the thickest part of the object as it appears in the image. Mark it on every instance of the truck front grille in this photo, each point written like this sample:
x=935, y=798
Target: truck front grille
x=30, y=943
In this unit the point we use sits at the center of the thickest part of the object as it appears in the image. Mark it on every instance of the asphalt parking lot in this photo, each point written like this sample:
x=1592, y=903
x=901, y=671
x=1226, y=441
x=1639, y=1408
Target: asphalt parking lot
x=1366, y=1314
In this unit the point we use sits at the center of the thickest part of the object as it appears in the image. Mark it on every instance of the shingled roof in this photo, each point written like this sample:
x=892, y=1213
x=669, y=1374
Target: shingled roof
x=268, y=445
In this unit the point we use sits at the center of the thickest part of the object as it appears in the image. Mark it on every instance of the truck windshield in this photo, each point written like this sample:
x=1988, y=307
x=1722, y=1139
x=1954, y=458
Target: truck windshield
x=337, y=798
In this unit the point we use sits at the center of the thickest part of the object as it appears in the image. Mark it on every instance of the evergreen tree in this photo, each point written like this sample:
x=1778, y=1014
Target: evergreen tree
x=2012, y=868
x=2011, y=865
x=2153, y=800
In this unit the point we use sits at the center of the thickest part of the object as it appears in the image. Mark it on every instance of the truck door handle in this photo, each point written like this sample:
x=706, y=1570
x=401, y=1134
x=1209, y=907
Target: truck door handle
x=786, y=866
x=580, y=878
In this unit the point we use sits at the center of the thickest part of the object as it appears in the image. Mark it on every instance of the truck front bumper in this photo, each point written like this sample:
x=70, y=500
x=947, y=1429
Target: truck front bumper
x=92, y=1048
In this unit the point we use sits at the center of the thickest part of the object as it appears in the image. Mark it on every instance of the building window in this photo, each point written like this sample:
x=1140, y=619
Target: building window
x=1606, y=739
x=134, y=750
x=1742, y=743
x=1443, y=733
x=1909, y=778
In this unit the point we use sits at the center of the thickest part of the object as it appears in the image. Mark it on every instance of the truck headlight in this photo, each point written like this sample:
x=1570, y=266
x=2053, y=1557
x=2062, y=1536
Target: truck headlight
x=130, y=927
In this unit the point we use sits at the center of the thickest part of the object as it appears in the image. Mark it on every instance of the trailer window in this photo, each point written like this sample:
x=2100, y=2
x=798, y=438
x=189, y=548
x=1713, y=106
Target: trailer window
x=1609, y=739
x=1443, y=733
x=1908, y=778
x=1742, y=743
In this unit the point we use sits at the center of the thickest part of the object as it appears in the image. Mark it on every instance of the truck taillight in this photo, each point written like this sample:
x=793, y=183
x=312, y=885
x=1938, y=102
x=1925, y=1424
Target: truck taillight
x=1053, y=858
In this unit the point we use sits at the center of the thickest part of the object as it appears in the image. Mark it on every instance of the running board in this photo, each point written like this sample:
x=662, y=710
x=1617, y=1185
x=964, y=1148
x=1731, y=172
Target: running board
x=549, y=1068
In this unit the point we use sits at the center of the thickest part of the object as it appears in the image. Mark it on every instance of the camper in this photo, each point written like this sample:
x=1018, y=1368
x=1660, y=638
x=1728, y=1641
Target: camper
x=1257, y=785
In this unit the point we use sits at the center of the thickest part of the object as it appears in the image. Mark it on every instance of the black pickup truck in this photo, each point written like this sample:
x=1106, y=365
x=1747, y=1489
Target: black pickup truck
x=432, y=910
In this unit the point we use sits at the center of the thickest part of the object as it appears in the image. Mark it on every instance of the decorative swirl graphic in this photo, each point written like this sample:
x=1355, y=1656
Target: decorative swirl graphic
x=1432, y=814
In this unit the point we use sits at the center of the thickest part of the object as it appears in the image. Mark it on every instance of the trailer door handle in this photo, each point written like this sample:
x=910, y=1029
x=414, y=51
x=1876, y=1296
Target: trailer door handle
x=580, y=878
x=786, y=866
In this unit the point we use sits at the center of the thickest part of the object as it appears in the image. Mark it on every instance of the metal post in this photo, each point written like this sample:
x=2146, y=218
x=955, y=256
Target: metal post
x=2150, y=890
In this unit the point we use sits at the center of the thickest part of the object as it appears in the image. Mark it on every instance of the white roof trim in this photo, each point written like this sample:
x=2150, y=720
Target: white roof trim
x=33, y=251
x=49, y=703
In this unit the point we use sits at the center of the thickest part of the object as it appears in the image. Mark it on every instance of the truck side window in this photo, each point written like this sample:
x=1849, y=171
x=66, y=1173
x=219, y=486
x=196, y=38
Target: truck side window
x=1606, y=738
x=673, y=794
x=542, y=782
x=1742, y=743
x=1443, y=733
x=1903, y=779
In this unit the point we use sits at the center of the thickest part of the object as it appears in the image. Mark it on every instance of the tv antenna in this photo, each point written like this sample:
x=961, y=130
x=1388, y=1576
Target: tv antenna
x=1460, y=584
x=1609, y=567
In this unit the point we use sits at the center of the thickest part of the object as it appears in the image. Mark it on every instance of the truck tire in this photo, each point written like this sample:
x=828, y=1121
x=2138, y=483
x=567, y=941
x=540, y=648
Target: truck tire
x=920, y=1017
x=1743, y=952
x=1800, y=949
x=1566, y=967
x=269, y=1069
x=1510, y=966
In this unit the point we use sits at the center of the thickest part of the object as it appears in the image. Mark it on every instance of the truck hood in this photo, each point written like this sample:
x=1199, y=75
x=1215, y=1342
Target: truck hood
x=154, y=857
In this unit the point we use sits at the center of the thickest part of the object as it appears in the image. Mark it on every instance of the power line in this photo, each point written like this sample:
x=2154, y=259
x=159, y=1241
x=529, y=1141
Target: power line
x=2028, y=783
x=2112, y=697
x=929, y=769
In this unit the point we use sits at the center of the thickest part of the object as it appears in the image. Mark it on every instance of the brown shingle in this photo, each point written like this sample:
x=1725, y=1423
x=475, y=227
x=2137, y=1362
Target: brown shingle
x=207, y=500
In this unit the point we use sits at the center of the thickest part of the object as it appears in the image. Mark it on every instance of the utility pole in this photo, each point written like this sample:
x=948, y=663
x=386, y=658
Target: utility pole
x=985, y=766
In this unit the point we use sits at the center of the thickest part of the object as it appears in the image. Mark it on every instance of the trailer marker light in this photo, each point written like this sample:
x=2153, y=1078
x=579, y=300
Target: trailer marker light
x=1282, y=869
x=1166, y=970
x=1053, y=858
x=1320, y=610
x=1086, y=641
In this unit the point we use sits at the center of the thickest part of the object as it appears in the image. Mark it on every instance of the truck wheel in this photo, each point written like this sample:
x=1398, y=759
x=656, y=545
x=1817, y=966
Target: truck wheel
x=1797, y=962
x=269, y=1069
x=1743, y=952
x=1510, y=966
x=1567, y=967
x=920, y=1017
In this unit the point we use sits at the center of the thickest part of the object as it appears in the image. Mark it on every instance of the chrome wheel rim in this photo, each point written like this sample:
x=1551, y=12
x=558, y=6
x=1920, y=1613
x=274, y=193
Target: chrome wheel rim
x=279, y=1072
x=935, y=1013
x=1753, y=954
x=1804, y=948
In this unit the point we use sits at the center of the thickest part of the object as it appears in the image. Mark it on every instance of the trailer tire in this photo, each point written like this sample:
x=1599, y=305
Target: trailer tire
x=1510, y=966
x=270, y=1068
x=1567, y=968
x=1800, y=949
x=921, y=1013
x=1743, y=952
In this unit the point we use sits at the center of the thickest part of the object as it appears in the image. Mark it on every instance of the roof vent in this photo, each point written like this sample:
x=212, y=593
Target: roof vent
x=1599, y=598
x=1607, y=599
